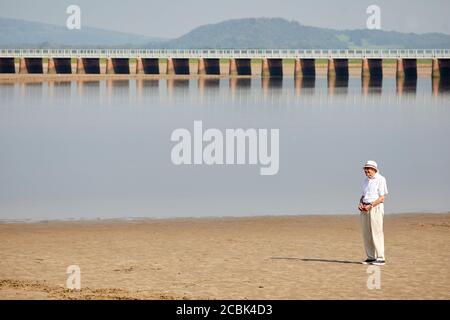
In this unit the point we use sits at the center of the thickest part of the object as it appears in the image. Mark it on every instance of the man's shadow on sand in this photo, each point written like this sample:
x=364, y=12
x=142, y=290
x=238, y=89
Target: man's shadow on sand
x=316, y=260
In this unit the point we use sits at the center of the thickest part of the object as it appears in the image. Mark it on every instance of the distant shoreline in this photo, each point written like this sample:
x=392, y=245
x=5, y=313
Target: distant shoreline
x=194, y=218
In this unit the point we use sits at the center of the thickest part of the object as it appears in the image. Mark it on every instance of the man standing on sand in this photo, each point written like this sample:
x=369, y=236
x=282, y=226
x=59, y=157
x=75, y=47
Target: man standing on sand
x=372, y=212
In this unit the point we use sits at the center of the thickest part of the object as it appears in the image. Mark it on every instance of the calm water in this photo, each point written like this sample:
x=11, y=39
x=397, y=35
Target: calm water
x=102, y=148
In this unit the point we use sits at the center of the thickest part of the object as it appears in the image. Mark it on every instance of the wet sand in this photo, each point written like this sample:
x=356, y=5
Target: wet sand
x=289, y=257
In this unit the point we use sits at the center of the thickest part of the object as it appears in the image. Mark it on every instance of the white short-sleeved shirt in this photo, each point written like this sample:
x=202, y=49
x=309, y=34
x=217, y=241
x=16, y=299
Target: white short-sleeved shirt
x=374, y=188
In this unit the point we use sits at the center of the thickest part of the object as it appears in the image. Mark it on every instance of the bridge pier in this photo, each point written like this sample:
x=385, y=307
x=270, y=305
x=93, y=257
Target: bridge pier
x=88, y=66
x=240, y=67
x=406, y=68
x=151, y=65
x=121, y=65
x=233, y=68
x=435, y=70
x=181, y=66
x=441, y=68
x=117, y=66
x=31, y=66
x=265, y=72
x=305, y=68
x=91, y=65
x=338, y=68
x=147, y=66
x=201, y=67
x=7, y=65
x=400, y=72
x=80, y=67
x=139, y=66
x=208, y=66
x=59, y=65
x=22, y=66
x=272, y=67
x=444, y=68
x=51, y=66
x=177, y=66
x=372, y=68
x=170, y=69
x=109, y=66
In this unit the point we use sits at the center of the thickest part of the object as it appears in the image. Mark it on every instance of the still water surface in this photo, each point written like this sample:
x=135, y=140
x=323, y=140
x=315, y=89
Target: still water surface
x=101, y=149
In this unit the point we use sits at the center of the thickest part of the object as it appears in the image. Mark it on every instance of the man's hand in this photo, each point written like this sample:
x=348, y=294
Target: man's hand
x=361, y=207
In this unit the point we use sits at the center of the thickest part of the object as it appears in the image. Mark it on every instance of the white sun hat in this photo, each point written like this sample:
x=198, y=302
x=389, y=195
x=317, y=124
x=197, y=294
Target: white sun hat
x=371, y=164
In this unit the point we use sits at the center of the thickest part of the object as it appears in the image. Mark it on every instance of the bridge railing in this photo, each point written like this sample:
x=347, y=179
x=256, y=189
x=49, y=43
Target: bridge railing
x=229, y=53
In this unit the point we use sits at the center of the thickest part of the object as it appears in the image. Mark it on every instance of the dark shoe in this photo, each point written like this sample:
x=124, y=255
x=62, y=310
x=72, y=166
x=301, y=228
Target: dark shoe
x=379, y=262
x=369, y=261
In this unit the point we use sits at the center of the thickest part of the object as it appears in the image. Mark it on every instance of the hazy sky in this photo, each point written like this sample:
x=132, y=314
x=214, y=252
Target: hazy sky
x=172, y=18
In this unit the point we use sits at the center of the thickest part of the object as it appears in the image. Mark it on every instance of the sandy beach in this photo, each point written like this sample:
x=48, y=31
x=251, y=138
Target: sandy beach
x=289, y=257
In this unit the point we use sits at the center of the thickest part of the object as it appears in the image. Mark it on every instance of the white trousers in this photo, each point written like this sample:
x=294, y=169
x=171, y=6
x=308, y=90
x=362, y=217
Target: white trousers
x=372, y=229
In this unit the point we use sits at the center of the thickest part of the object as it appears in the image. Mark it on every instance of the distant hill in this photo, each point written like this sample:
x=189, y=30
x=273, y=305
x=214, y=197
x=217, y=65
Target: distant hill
x=281, y=33
x=21, y=34
x=238, y=33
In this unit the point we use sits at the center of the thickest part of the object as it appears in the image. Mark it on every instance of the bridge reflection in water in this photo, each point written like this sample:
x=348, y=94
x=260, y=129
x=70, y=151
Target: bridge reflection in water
x=227, y=91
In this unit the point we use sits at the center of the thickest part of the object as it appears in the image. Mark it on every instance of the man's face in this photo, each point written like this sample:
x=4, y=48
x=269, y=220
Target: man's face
x=370, y=172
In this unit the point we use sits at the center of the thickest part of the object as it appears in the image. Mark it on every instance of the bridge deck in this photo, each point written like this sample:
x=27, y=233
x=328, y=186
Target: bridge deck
x=229, y=53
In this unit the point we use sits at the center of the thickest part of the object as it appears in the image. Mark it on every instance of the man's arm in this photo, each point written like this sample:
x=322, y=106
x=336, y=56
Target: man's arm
x=382, y=192
x=375, y=203
x=360, y=205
